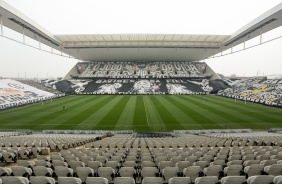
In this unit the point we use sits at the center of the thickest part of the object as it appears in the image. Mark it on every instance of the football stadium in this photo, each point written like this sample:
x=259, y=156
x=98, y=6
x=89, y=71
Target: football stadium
x=139, y=108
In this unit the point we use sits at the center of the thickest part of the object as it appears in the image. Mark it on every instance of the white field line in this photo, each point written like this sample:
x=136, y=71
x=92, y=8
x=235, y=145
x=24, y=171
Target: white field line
x=146, y=112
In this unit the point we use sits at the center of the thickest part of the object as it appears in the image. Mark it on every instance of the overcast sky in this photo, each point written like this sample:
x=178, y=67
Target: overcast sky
x=140, y=16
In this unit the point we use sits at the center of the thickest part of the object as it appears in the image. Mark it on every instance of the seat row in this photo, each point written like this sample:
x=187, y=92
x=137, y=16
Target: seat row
x=180, y=142
x=12, y=154
x=190, y=140
x=261, y=179
x=52, y=141
x=165, y=171
x=258, y=138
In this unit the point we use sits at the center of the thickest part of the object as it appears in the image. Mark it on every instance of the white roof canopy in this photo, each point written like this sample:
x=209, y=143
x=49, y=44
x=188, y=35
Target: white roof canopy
x=143, y=39
x=139, y=47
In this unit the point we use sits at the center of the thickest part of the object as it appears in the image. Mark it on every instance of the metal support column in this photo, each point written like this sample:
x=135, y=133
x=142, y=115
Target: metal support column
x=23, y=36
x=39, y=42
x=260, y=35
x=244, y=43
x=1, y=24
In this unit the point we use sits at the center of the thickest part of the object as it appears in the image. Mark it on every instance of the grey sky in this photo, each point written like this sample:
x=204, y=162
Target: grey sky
x=136, y=16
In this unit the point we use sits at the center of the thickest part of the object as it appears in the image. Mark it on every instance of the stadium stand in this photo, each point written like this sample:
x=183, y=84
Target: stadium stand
x=126, y=78
x=141, y=86
x=141, y=69
x=264, y=91
x=44, y=85
x=14, y=93
x=140, y=78
x=190, y=157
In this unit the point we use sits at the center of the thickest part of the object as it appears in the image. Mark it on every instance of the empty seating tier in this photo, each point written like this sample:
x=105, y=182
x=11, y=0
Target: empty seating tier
x=123, y=158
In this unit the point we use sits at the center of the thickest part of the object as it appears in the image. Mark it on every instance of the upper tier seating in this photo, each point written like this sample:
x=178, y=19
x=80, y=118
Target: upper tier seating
x=141, y=69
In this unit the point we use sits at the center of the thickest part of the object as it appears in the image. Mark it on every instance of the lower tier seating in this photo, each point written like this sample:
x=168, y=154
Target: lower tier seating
x=122, y=158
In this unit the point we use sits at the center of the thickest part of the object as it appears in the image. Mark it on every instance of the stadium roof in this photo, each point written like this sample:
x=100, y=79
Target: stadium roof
x=165, y=40
x=138, y=47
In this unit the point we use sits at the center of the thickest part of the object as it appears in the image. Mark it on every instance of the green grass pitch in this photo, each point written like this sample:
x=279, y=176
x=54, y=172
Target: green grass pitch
x=150, y=113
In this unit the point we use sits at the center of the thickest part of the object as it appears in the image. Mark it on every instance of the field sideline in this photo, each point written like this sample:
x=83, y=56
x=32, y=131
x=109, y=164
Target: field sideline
x=141, y=113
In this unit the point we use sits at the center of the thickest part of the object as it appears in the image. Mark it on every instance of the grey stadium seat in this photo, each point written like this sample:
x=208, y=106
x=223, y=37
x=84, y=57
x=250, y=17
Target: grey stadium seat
x=275, y=169
x=25, y=163
x=127, y=172
x=43, y=157
x=41, y=180
x=193, y=172
x=148, y=164
x=235, y=162
x=202, y=164
x=175, y=159
x=149, y=172
x=277, y=180
x=124, y=180
x=5, y=171
x=14, y=180
x=233, y=180
x=182, y=165
x=129, y=164
x=62, y=171
x=233, y=170
x=170, y=172
x=254, y=169
x=96, y=180
x=21, y=171
x=86, y=159
x=94, y=165
x=59, y=163
x=42, y=163
x=251, y=162
x=213, y=170
x=260, y=179
x=102, y=159
x=9, y=157
x=42, y=171
x=164, y=164
x=268, y=162
x=152, y=180
x=74, y=164
x=113, y=164
x=106, y=172
x=179, y=180
x=84, y=172
x=207, y=180
x=69, y=180
x=24, y=154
